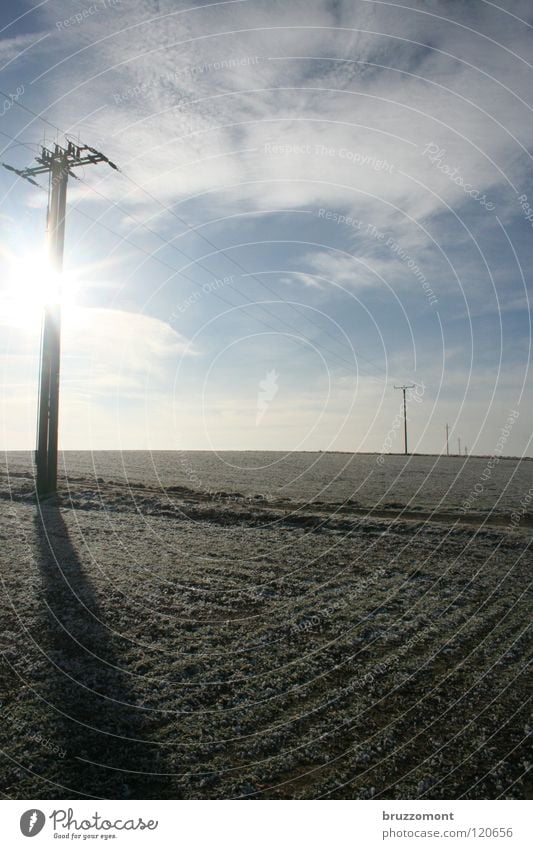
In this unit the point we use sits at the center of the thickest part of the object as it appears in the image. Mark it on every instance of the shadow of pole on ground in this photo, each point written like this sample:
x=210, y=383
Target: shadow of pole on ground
x=96, y=716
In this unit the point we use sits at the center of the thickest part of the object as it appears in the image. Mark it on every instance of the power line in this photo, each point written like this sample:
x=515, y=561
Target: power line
x=185, y=224
x=35, y=114
x=238, y=264
x=22, y=173
x=238, y=291
x=154, y=256
x=151, y=255
x=216, y=248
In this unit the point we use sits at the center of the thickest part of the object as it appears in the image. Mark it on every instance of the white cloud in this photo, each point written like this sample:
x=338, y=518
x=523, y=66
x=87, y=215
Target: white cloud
x=351, y=95
x=111, y=348
x=179, y=150
x=15, y=47
x=108, y=357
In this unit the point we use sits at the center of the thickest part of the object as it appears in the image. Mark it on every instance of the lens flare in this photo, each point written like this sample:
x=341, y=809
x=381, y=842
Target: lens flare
x=31, y=285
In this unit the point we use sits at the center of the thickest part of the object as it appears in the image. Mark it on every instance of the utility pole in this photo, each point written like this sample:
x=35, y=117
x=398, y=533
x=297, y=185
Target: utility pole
x=459, y=445
x=447, y=441
x=404, y=388
x=58, y=164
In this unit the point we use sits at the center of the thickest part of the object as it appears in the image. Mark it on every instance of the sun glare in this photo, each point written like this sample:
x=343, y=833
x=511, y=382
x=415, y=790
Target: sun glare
x=31, y=285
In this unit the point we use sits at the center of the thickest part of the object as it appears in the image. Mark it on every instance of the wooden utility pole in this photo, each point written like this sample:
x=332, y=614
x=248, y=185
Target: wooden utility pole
x=447, y=441
x=58, y=163
x=48, y=420
x=404, y=388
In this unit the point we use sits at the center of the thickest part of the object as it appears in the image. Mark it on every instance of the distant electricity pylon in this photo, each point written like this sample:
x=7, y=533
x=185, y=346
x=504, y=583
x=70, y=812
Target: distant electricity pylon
x=404, y=389
x=58, y=163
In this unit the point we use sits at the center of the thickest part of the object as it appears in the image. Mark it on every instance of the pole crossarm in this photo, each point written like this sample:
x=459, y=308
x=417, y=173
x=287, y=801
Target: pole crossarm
x=21, y=173
x=59, y=163
x=72, y=156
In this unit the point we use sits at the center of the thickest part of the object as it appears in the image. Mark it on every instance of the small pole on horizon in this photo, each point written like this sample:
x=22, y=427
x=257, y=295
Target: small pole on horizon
x=459, y=445
x=404, y=388
x=447, y=441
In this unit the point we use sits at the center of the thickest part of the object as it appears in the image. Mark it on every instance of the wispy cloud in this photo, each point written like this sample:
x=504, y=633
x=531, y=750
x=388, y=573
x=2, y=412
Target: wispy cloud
x=401, y=119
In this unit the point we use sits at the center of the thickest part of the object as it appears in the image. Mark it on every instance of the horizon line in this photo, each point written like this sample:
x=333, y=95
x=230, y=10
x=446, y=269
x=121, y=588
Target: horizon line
x=277, y=451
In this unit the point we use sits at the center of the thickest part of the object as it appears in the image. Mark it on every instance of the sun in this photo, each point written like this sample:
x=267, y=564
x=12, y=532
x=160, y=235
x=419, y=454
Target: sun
x=32, y=284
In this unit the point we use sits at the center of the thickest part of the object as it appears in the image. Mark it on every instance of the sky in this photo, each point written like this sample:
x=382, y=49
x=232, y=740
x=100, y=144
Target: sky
x=317, y=201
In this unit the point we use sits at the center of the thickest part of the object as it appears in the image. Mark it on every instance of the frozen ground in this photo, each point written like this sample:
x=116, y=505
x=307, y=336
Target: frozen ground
x=365, y=479
x=184, y=639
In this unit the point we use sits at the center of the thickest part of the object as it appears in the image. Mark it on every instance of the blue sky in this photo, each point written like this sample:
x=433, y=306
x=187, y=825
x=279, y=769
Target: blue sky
x=321, y=198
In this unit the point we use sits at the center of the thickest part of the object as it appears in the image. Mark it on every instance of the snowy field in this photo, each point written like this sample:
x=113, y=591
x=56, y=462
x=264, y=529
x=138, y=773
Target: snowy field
x=189, y=626
x=367, y=479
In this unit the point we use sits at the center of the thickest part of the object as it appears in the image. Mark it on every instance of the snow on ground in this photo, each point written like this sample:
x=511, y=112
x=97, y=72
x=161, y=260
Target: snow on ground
x=177, y=644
